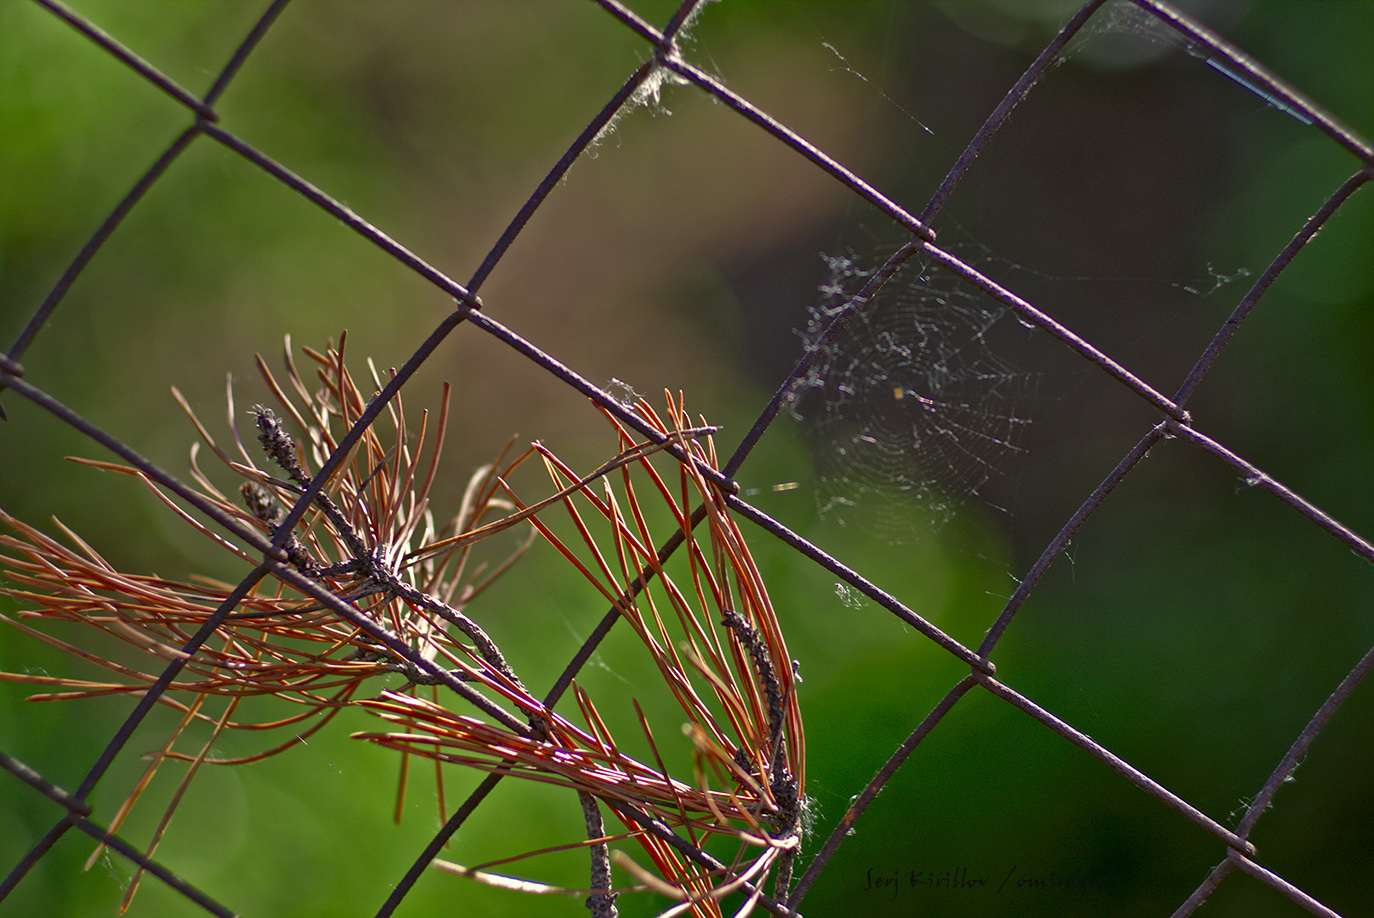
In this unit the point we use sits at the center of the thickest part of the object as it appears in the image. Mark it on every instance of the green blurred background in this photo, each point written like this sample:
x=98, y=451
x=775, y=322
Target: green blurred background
x=1193, y=627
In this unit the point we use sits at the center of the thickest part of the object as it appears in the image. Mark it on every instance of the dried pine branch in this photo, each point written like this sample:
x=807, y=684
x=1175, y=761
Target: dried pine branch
x=716, y=642
x=370, y=538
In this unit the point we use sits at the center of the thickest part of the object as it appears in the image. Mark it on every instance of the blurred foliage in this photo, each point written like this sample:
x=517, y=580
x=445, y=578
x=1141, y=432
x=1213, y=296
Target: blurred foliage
x=1193, y=627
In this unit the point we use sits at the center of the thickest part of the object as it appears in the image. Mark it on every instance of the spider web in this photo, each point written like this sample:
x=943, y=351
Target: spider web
x=908, y=411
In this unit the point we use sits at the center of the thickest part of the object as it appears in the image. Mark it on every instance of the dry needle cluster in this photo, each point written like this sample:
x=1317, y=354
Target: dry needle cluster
x=362, y=580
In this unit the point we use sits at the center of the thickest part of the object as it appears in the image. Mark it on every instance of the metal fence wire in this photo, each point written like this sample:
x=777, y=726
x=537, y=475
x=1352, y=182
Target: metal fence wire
x=1039, y=504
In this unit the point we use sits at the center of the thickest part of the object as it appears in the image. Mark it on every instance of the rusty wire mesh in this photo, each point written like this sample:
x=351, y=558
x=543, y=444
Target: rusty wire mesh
x=1110, y=352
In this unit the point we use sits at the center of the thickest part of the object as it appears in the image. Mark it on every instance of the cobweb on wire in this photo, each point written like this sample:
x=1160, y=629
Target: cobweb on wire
x=908, y=411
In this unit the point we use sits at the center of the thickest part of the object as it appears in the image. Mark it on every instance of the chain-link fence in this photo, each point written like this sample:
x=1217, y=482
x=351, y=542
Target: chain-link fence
x=1052, y=448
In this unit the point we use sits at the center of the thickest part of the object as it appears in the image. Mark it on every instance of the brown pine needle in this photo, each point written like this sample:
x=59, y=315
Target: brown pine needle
x=372, y=540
